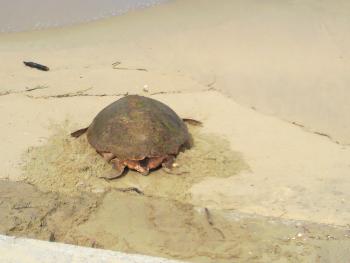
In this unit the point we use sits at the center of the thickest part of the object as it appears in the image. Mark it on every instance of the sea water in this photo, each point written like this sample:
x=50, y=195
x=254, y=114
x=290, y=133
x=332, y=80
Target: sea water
x=23, y=15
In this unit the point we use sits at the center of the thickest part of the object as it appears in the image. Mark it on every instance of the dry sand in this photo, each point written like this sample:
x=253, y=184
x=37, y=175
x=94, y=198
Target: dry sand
x=192, y=62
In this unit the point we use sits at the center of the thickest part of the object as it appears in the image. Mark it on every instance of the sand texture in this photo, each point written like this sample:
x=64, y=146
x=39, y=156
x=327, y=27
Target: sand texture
x=247, y=71
x=135, y=223
x=72, y=166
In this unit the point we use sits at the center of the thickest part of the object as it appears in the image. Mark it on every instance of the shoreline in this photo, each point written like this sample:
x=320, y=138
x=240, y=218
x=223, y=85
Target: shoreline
x=14, y=15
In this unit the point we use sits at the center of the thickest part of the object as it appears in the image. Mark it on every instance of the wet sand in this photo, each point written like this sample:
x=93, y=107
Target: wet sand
x=15, y=15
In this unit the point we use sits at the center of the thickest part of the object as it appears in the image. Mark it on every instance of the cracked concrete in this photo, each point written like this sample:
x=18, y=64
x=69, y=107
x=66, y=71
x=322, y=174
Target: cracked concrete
x=8, y=92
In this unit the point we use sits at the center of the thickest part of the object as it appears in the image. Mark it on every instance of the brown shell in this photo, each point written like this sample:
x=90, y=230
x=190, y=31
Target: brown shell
x=135, y=127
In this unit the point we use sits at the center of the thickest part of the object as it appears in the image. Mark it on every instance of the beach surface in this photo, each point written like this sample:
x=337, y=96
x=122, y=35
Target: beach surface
x=268, y=81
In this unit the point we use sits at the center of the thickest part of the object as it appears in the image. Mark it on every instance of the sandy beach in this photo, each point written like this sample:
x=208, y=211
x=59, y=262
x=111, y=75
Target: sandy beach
x=269, y=82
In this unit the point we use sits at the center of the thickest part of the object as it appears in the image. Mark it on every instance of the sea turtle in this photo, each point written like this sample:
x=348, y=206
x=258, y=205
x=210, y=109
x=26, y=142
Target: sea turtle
x=139, y=133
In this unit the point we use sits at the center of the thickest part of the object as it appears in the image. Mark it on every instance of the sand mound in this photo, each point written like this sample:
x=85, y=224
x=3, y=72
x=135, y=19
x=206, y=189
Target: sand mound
x=70, y=165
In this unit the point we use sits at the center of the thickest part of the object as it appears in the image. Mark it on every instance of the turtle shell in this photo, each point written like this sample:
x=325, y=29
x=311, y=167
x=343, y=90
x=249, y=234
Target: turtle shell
x=135, y=127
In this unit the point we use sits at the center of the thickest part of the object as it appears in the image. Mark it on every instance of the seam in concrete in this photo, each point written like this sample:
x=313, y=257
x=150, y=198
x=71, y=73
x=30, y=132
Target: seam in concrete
x=8, y=92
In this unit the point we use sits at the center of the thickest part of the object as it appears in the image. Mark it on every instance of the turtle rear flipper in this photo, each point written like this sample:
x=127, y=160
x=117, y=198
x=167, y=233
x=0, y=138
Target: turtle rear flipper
x=118, y=169
x=169, y=162
x=78, y=133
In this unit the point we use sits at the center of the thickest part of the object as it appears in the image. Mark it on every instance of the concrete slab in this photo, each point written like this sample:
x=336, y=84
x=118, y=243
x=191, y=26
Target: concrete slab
x=15, y=250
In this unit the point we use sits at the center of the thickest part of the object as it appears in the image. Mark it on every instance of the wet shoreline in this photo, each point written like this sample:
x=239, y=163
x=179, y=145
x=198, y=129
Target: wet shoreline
x=17, y=16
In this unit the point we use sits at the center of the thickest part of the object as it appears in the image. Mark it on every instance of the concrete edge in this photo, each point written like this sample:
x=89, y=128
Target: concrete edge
x=23, y=250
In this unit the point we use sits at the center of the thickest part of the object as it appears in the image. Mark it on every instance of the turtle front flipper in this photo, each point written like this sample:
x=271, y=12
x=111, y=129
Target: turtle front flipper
x=79, y=132
x=192, y=122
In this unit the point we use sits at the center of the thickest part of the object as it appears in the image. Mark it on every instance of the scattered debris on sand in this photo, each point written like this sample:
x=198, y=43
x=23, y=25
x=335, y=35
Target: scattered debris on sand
x=36, y=65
